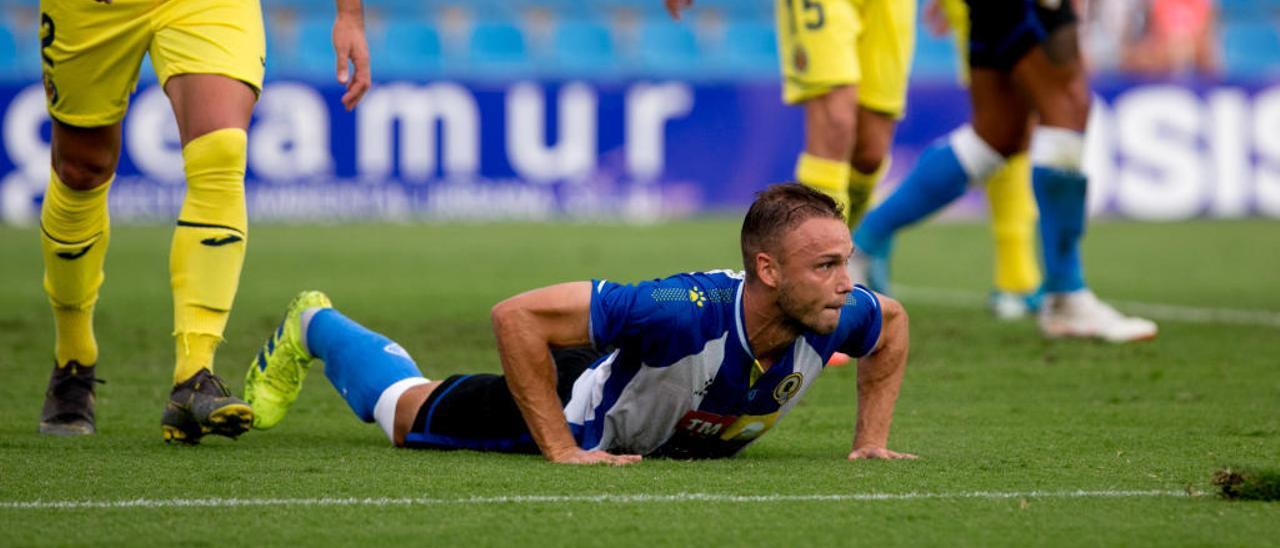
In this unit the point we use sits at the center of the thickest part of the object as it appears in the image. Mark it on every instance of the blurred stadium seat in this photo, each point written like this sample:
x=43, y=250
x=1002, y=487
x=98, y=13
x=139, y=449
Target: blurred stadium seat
x=935, y=57
x=668, y=49
x=1241, y=10
x=406, y=48
x=19, y=51
x=745, y=9
x=497, y=48
x=8, y=52
x=749, y=49
x=311, y=52
x=583, y=47
x=1251, y=49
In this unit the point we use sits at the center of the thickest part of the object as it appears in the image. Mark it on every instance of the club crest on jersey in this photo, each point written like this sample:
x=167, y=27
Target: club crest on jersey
x=800, y=59
x=787, y=388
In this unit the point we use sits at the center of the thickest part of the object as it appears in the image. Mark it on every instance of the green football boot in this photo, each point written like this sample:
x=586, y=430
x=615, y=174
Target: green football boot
x=276, y=374
x=202, y=405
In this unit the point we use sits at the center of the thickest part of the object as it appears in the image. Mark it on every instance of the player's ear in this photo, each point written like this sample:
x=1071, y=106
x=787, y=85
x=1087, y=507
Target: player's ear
x=767, y=269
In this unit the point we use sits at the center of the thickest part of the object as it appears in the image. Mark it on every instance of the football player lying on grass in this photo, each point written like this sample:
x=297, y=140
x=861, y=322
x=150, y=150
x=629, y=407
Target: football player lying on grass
x=696, y=365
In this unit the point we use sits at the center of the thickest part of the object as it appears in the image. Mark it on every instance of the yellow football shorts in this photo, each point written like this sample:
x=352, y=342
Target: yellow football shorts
x=827, y=43
x=92, y=50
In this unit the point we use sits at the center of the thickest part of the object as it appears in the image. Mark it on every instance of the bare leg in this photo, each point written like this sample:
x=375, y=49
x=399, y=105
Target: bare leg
x=207, y=102
x=830, y=126
x=407, y=409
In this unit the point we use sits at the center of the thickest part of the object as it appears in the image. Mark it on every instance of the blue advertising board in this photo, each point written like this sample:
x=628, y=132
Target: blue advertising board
x=637, y=150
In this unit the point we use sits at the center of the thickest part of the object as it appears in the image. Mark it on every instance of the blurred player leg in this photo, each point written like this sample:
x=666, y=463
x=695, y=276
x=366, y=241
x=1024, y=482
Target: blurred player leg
x=944, y=170
x=829, y=135
x=885, y=49
x=1054, y=77
x=1016, y=273
x=1013, y=219
x=940, y=175
x=820, y=71
x=90, y=54
x=861, y=188
x=209, y=57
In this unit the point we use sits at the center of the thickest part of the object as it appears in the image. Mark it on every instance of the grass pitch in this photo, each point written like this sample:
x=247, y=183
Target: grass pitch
x=1008, y=425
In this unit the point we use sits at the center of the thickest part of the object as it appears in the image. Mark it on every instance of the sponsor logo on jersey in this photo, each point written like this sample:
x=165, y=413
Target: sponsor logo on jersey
x=700, y=424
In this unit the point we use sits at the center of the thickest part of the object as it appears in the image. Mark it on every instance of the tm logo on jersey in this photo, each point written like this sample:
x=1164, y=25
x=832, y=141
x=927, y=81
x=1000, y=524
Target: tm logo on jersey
x=696, y=296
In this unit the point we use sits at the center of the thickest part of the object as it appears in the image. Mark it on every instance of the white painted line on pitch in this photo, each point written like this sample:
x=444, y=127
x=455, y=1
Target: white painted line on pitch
x=1155, y=311
x=543, y=499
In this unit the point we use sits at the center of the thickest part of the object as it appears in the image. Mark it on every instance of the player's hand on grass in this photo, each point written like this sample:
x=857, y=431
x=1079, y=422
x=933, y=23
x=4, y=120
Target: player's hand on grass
x=349, y=43
x=674, y=7
x=577, y=455
x=879, y=453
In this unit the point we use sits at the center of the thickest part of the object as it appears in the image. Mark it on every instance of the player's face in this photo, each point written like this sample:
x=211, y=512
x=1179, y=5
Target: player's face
x=814, y=279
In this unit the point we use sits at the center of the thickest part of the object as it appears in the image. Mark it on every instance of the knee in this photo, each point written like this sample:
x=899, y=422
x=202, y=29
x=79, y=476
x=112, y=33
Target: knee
x=1069, y=110
x=85, y=170
x=223, y=150
x=1006, y=141
x=869, y=155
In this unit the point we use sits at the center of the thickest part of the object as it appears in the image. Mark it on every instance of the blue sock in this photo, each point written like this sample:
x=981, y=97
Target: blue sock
x=936, y=180
x=1060, y=195
x=361, y=364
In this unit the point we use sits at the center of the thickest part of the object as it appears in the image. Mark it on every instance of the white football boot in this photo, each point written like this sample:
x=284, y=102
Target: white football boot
x=1081, y=314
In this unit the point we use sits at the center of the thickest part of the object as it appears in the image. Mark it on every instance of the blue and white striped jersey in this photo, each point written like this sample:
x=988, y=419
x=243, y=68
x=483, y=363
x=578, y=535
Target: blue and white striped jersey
x=678, y=382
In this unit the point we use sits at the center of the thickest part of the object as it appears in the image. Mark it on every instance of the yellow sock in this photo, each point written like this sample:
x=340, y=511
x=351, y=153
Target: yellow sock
x=1013, y=224
x=74, y=231
x=861, y=186
x=194, y=352
x=208, y=247
x=830, y=177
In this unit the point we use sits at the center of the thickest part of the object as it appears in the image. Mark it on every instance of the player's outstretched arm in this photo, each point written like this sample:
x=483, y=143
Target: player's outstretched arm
x=527, y=326
x=350, y=46
x=879, y=379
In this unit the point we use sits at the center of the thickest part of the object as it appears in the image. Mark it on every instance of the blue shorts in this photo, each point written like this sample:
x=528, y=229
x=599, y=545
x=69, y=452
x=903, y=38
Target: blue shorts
x=1002, y=32
x=478, y=411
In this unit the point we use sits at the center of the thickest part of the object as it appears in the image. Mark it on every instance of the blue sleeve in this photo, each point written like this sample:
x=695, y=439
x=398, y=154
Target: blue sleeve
x=860, y=322
x=641, y=314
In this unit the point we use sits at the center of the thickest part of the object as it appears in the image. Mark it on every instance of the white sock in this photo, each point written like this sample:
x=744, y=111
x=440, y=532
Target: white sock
x=1058, y=148
x=977, y=158
x=384, y=412
x=305, y=321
